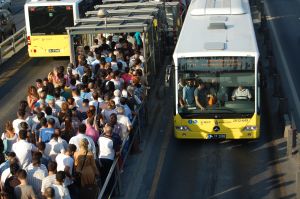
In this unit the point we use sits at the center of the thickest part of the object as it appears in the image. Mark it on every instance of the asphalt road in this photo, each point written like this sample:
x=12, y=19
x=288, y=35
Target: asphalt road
x=16, y=75
x=284, y=22
x=20, y=72
x=18, y=13
x=212, y=169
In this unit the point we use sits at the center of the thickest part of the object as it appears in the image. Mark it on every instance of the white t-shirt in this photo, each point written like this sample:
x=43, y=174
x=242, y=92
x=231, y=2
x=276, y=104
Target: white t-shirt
x=47, y=182
x=60, y=101
x=106, y=148
x=23, y=151
x=16, y=125
x=106, y=114
x=116, y=100
x=78, y=101
x=64, y=142
x=5, y=174
x=118, y=83
x=62, y=161
x=126, y=123
x=61, y=192
x=53, y=148
x=76, y=139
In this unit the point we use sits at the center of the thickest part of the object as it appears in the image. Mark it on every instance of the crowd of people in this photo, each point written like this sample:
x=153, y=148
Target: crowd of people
x=71, y=126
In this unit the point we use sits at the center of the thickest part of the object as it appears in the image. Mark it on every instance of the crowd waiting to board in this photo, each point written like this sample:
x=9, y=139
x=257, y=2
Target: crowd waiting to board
x=71, y=126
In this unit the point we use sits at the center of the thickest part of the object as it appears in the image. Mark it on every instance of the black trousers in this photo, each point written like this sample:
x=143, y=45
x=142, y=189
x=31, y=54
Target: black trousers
x=105, y=167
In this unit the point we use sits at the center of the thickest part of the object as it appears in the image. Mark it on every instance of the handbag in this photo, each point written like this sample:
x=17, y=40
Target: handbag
x=77, y=175
x=90, y=191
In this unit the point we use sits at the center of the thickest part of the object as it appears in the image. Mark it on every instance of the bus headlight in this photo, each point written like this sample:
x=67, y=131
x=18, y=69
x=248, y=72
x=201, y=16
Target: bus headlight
x=182, y=128
x=249, y=128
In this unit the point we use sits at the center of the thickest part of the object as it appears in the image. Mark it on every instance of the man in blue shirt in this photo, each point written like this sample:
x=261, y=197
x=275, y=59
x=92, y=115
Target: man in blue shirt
x=46, y=131
x=188, y=93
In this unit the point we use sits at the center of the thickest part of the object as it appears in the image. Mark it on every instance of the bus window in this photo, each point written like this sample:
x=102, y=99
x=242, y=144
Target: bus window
x=50, y=20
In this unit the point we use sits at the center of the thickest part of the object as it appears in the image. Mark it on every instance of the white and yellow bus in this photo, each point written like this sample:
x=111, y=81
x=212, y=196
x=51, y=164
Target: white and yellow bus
x=46, y=22
x=217, y=48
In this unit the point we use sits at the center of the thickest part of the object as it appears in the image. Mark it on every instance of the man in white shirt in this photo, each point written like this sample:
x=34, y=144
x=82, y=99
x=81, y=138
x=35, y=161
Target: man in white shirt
x=77, y=98
x=13, y=168
x=106, y=151
x=59, y=189
x=81, y=134
x=94, y=101
x=54, y=148
x=23, y=149
x=65, y=162
x=127, y=110
x=20, y=118
x=241, y=93
x=124, y=121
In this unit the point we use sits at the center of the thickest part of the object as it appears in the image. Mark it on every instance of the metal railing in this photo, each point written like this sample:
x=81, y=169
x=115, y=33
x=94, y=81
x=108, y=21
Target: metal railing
x=114, y=173
x=12, y=45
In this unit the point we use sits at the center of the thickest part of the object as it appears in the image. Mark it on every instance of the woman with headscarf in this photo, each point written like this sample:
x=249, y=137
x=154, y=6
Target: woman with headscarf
x=85, y=164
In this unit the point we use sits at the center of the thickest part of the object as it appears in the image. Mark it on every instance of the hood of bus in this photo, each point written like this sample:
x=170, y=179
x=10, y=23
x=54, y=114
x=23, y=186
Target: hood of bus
x=217, y=125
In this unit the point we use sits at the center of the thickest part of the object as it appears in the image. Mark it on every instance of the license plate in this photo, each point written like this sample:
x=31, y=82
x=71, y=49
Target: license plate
x=54, y=50
x=216, y=136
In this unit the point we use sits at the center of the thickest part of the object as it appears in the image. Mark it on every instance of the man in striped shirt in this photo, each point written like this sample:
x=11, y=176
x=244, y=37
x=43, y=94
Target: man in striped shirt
x=36, y=172
x=50, y=179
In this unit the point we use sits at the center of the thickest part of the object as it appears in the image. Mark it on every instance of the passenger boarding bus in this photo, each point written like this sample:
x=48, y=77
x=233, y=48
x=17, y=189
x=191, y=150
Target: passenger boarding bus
x=216, y=73
x=46, y=22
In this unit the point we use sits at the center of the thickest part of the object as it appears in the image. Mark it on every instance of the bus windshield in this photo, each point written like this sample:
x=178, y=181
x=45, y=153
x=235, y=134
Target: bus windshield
x=216, y=86
x=50, y=20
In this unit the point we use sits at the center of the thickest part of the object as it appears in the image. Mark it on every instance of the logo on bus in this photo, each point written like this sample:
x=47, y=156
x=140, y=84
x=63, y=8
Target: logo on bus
x=192, y=121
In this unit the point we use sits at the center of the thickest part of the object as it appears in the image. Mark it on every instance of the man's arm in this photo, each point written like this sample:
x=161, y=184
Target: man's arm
x=184, y=93
x=233, y=97
x=249, y=94
x=198, y=103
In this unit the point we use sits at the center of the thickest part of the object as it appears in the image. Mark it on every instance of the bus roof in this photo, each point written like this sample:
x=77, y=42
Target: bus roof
x=217, y=28
x=51, y=2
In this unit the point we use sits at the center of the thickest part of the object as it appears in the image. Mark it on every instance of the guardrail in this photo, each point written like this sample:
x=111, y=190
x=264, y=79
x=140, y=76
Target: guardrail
x=112, y=184
x=12, y=45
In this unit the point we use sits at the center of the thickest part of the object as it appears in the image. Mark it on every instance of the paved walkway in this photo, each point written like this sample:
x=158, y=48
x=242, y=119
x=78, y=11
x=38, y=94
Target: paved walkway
x=285, y=167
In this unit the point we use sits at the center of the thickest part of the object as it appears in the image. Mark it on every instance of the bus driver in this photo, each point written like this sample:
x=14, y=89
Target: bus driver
x=241, y=93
